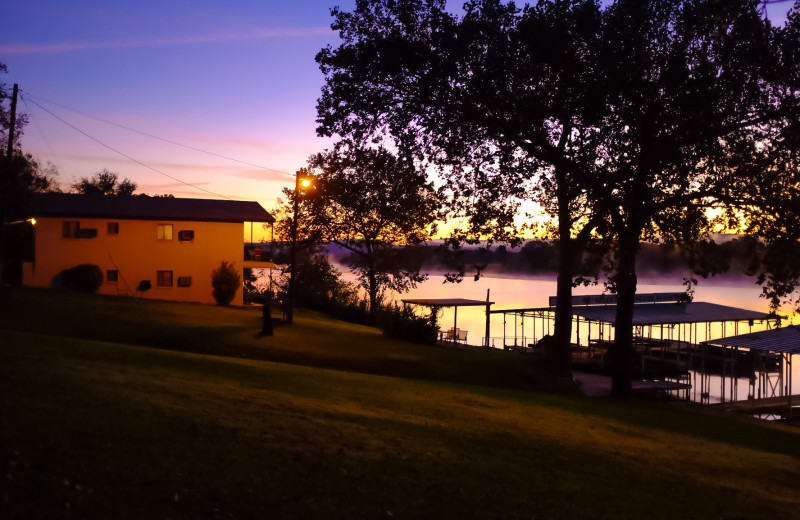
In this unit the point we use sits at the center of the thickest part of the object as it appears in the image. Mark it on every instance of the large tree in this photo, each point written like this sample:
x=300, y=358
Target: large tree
x=499, y=100
x=371, y=203
x=699, y=108
x=626, y=122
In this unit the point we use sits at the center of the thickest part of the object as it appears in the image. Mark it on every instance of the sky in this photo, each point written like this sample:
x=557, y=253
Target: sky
x=234, y=81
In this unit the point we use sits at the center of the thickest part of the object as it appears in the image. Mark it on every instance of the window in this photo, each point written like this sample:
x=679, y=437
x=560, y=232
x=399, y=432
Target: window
x=70, y=228
x=87, y=233
x=163, y=278
x=113, y=228
x=164, y=232
x=112, y=275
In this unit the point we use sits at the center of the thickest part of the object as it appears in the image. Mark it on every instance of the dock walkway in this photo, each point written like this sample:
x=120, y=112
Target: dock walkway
x=769, y=405
x=596, y=385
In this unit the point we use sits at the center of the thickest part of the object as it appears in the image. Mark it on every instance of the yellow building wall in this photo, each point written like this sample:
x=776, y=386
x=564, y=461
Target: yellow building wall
x=137, y=254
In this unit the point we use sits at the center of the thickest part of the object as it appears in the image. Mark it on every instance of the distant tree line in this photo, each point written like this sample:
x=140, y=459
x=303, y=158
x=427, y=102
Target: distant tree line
x=731, y=256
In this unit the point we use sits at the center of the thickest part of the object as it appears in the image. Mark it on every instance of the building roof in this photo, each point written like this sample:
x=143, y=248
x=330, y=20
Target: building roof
x=671, y=313
x=785, y=340
x=143, y=207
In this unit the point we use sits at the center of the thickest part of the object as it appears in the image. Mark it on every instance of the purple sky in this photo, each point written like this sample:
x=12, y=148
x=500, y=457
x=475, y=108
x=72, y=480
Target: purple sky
x=234, y=78
x=237, y=79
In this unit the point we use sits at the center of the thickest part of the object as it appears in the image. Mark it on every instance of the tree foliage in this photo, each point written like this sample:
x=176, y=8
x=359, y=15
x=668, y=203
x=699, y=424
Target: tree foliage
x=626, y=122
x=5, y=115
x=104, y=183
x=22, y=173
x=371, y=203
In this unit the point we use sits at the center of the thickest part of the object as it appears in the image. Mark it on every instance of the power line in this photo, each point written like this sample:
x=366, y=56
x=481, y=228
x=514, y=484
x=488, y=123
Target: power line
x=128, y=156
x=152, y=136
x=765, y=3
x=39, y=129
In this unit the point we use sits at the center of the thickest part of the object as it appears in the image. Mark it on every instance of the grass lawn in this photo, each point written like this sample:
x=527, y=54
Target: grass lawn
x=113, y=408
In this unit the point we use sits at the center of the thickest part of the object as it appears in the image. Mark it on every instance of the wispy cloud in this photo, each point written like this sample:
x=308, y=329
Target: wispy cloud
x=196, y=168
x=264, y=175
x=75, y=46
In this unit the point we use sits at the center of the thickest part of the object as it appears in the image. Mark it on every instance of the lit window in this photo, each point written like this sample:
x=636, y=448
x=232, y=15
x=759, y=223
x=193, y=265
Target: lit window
x=113, y=228
x=112, y=275
x=70, y=228
x=163, y=278
x=164, y=232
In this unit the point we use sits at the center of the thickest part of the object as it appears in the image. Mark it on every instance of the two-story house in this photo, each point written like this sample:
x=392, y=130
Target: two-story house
x=169, y=244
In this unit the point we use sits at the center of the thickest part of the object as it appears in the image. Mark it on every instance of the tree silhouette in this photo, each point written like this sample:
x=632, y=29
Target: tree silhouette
x=104, y=183
x=370, y=202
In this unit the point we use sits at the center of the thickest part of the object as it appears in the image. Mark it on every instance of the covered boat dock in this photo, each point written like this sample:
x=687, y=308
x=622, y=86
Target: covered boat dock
x=668, y=332
x=776, y=346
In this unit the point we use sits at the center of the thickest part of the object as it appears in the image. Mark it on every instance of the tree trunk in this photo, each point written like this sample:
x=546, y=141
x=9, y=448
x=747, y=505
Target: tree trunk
x=566, y=262
x=622, y=350
x=373, y=295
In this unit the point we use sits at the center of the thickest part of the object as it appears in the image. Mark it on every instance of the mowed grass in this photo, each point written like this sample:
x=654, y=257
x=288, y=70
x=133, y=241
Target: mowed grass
x=93, y=427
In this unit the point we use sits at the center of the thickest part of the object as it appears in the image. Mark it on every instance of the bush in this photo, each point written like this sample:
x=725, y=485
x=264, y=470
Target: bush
x=404, y=324
x=225, y=280
x=82, y=278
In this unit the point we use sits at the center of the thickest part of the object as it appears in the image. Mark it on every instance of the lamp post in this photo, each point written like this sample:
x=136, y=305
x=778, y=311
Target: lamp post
x=302, y=179
x=24, y=254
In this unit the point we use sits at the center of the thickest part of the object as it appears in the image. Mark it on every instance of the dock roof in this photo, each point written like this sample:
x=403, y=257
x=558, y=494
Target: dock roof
x=671, y=313
x=657, y=313
x=785, y=340
x=446, y=302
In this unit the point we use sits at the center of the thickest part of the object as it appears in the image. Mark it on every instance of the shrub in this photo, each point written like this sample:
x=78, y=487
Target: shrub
x=225, y=280
x=404, y=324
x=82, y=278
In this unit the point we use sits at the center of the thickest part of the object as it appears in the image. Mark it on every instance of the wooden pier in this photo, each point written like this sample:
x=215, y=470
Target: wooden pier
x=765, y=406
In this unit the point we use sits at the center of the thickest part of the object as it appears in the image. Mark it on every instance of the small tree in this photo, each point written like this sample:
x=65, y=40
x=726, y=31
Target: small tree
x=371, y=202
x=225, y=280
x=104, y=183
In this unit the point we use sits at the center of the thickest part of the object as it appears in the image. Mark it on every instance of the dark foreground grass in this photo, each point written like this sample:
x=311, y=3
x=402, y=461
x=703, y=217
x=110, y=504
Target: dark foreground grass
x=99, y=429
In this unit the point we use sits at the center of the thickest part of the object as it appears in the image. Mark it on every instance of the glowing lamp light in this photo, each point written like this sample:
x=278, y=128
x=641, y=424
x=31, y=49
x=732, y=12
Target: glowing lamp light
x=300, y=181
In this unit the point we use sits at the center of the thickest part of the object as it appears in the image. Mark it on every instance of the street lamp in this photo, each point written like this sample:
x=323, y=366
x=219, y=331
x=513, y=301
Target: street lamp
x=302, y=179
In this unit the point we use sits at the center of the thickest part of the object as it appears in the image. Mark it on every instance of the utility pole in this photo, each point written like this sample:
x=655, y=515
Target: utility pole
x=6, y=181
